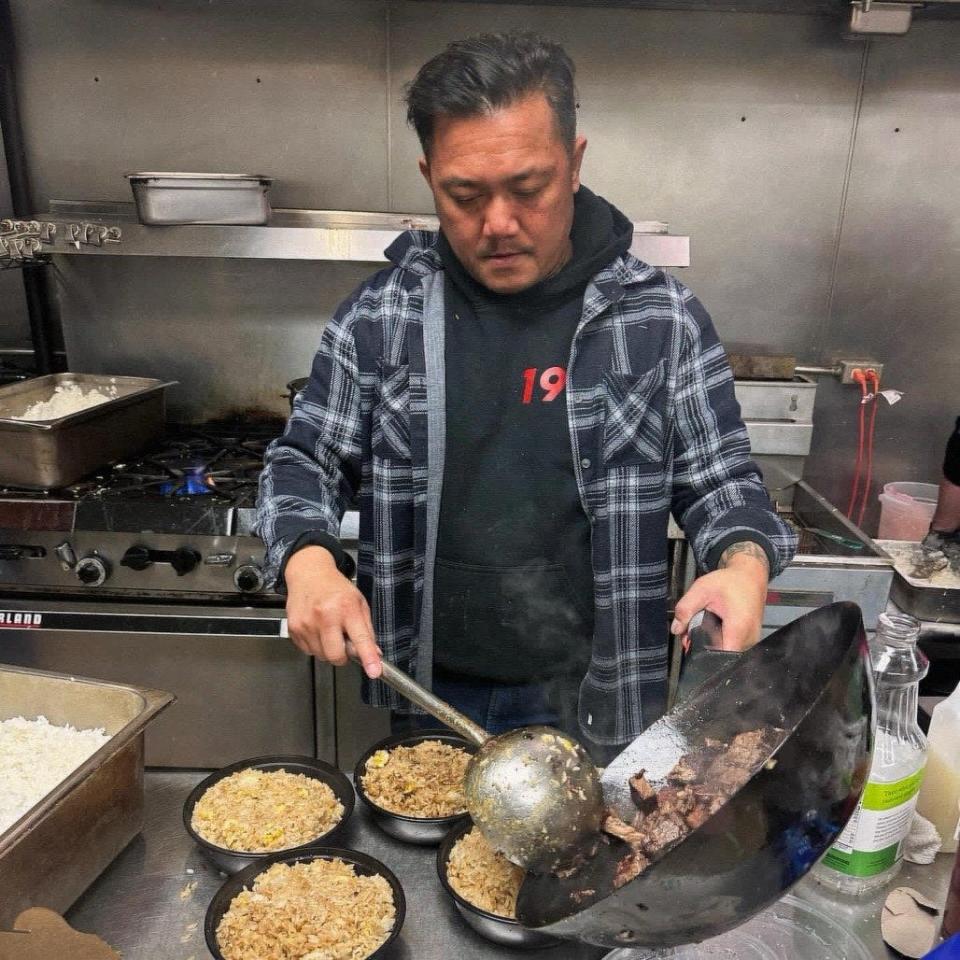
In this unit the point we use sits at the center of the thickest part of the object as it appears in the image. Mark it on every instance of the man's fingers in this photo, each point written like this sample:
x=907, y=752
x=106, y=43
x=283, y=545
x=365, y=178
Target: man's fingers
x=303, y=637
x=324, y=629
x=368, y=620
x=690, y=604
x=332, y=642
x=739, y=635
x=300, y=643
x=364, y=647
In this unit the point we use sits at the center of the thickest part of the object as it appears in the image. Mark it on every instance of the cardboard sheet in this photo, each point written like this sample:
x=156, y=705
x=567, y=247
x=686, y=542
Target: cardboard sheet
x=39, y=934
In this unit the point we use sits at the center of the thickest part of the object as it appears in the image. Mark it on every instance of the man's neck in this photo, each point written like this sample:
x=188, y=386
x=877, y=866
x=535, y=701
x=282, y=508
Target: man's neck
x=565, y=257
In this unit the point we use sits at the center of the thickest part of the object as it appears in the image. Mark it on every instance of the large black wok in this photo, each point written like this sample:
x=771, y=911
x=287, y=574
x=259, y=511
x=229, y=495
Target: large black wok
x=811, y=679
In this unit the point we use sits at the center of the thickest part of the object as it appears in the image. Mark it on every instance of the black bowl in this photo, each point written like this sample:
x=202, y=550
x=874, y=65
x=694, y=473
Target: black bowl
x=230, y=861
x=503, y=930
x=421, y=830
x=364, y=865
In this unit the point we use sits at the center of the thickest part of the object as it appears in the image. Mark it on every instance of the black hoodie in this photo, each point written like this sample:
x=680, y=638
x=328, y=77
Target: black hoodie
x=513, y=587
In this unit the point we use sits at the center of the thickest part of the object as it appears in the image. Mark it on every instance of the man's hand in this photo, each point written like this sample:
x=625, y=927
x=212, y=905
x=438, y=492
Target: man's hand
x=736, y=592
x=325, y=611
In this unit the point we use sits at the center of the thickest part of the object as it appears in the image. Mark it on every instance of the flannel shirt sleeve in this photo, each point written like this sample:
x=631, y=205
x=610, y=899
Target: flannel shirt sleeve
x=718, y=493
x=312, y=472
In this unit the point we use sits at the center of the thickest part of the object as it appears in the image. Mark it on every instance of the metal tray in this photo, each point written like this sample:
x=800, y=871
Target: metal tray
x=63, y=843
x=166, y=199
x=933, y=602
x=44, y=454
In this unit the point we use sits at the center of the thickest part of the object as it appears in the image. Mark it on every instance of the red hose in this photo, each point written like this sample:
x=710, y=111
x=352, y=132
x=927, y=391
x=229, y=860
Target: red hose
x=862, y=380
x=875, y=387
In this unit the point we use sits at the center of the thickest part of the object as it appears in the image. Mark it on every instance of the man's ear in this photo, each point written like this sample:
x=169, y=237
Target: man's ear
x=424, y=165
x=579, y=146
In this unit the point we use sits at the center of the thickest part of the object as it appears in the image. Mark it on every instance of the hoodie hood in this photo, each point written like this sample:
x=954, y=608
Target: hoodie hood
x=598, y=235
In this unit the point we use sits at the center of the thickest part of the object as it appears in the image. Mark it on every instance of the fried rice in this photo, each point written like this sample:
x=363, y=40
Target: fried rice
x=259, y=811
x=484, y=877
x=318, y=910
x=425, y=780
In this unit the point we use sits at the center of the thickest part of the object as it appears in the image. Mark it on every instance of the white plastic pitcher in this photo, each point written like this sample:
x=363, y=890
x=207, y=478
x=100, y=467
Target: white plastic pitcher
x=906, y=510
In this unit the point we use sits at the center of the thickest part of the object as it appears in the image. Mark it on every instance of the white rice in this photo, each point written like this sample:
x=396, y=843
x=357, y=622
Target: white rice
x=67, y=398
x=36, y=755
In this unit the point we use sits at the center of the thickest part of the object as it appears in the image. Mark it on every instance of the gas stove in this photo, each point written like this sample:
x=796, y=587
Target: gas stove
x=177, y=523
x=148, y=572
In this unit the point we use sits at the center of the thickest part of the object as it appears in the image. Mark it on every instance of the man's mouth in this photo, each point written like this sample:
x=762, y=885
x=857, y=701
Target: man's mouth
x=504, y=255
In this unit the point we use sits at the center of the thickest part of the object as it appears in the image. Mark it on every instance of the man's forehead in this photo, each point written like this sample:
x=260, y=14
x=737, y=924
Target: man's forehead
x=526, y=174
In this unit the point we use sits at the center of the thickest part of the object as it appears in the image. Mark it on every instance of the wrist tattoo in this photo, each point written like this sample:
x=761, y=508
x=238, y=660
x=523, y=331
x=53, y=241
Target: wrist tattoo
x=748, y=548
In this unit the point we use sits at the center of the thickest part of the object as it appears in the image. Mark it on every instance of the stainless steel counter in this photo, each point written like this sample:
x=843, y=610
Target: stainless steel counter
x=150, y=903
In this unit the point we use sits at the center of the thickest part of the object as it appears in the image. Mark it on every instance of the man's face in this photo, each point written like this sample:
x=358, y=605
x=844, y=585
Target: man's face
x=503, y=186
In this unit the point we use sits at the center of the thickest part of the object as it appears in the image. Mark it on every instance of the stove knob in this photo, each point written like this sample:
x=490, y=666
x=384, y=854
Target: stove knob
x=92, y=571
x=66, y=554
x=183, y=560
x=137, y=558
x=248, y=578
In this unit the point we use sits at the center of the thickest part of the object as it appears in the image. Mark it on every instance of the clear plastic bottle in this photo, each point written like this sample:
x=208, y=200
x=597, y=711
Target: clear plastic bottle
x=867, y=855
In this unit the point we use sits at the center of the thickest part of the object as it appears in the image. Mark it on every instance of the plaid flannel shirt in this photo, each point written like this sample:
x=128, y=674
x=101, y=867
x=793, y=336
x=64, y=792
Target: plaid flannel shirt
x=654, y=428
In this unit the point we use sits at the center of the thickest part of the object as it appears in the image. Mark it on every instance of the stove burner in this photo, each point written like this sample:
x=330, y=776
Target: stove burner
x=220, y=465
x=215, y=463
x=196, y=481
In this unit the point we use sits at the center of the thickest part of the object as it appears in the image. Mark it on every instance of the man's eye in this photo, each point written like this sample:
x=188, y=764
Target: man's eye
x=527, y=194
x=463, y=201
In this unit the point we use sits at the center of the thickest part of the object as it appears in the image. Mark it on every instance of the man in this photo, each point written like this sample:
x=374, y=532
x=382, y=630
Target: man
x=520, y=403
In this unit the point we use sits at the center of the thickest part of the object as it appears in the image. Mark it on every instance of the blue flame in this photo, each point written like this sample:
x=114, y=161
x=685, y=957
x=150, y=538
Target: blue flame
x=193, y=482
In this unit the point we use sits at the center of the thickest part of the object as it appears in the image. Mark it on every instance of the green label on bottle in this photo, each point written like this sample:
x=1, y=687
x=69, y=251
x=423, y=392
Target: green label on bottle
x=870, y=842
x=886, y=796
x=862, y=863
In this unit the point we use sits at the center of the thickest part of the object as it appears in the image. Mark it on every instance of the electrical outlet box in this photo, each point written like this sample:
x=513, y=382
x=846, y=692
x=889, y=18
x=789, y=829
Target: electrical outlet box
x=848, y=366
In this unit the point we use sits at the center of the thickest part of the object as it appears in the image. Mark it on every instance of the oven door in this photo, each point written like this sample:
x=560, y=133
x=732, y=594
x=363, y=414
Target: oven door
x=242, y=691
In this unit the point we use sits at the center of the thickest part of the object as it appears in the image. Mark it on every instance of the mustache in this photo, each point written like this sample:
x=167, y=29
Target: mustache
x=494, y=251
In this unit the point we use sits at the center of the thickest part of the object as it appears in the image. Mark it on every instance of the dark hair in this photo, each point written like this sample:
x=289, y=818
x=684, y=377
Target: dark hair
x=488, y=72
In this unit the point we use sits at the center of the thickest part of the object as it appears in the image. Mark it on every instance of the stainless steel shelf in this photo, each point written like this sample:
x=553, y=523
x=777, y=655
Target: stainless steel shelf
x=150, y=902
x=112, y=229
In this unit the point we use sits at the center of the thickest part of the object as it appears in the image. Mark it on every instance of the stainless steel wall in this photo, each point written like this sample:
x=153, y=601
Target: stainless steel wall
x=759, y=135
x=232, y=332
x=898, y=271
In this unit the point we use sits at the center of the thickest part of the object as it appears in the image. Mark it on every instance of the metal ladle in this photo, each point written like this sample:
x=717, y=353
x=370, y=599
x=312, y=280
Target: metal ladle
x=533, y=792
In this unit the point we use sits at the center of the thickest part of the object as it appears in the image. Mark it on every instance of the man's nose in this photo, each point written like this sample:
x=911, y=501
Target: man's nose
x=499, y=219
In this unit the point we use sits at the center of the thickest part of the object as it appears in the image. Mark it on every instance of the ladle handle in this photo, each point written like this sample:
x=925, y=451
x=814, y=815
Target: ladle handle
x=409, y=688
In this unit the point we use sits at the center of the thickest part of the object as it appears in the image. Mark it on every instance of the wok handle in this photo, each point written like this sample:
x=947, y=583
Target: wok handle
x=409, y=688
x=706, y=631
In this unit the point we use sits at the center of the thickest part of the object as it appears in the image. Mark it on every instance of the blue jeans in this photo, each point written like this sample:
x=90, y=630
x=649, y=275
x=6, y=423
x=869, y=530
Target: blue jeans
x=498, y=707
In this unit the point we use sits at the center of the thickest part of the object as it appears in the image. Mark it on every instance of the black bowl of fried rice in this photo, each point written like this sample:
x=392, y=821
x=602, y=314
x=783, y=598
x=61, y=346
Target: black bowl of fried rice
x=293, y=904
x=483, y=886
x=412, y=784
x=254, y=809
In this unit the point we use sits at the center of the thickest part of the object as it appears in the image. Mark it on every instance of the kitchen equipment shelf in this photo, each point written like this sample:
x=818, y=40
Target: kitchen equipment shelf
x=106, y=228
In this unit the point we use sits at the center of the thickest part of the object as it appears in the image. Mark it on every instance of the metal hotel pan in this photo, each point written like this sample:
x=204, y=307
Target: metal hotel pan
x=63, y=843
x=45, y=454
x=812, y=679
x=178, y=198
